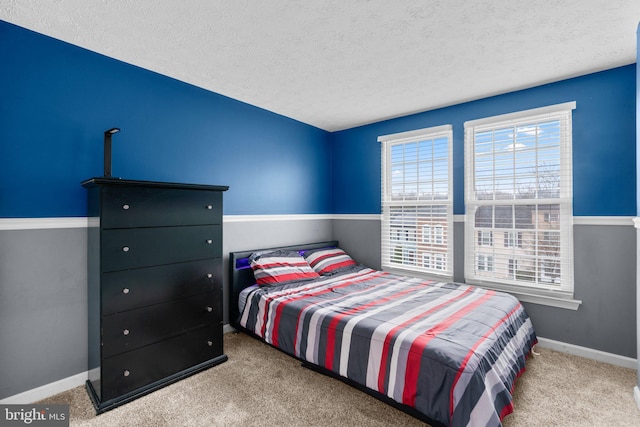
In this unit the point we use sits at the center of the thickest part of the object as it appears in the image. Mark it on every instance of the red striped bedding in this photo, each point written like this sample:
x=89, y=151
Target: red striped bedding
x=451, y=351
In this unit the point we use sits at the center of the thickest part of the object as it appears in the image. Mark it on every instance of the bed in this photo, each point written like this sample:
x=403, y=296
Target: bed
x=446, y=353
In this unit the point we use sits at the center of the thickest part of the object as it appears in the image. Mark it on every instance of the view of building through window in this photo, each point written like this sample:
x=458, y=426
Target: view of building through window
x=419, y=237
x=525, y=242
x=518, y=199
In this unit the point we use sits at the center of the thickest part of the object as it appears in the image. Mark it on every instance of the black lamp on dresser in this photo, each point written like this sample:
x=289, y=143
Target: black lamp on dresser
x=155, y=285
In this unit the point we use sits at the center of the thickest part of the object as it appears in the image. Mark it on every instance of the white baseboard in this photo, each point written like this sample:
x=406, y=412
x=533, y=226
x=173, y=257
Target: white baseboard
x=589, y=353
x=47, y=390
x=636, y=395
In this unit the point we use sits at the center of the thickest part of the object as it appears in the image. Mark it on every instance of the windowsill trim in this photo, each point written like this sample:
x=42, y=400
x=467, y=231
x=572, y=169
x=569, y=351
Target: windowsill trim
x=550, y=298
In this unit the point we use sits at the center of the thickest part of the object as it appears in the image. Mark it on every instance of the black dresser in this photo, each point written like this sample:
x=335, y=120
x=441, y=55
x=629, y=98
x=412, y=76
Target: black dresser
x=155, y=285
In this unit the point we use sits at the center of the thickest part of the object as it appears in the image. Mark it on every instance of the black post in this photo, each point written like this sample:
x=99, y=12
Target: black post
x=107, y=150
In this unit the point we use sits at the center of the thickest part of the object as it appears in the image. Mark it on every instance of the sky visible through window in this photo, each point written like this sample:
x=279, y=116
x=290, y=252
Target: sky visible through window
x=518, y=162
x=419, y=170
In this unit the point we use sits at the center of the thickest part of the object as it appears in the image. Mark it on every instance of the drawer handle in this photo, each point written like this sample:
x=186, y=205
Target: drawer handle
x=125, y=249
x=125, y=291
x=209, y=207
x=125, y=332
x=210, y=343
x=126, y=373
x=209, y=309
x=209, y=241
x=209, y=275
x=125, y=207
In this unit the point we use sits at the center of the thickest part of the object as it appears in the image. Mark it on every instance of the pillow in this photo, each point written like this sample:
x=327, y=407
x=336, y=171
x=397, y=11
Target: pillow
x=329, y=260
x=280, y=267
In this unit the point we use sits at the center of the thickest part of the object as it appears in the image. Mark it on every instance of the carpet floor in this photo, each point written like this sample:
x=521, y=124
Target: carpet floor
x=261, y=386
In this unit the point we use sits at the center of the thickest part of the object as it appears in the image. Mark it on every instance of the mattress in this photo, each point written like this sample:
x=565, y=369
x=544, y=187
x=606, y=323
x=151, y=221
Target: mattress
x=244, y=294
x=451, y=351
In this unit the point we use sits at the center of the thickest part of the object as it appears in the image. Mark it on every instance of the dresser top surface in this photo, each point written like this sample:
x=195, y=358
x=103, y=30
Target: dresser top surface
x=106, y=181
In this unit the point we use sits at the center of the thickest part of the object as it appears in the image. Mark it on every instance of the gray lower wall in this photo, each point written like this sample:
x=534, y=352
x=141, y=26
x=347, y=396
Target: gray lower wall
x=360, y=239
x=243, y=236
x=605, y=281
x=43, y=296
x=43, y=307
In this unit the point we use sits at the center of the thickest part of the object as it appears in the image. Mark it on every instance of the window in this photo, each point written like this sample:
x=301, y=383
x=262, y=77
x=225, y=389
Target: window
x=485, y=263
x=426, y=234
x=438, y=234
x=512, y=239
x=433, y=234
x=426, y=260
x=513, y=267
x=417, y=201
x=551, y=217
x=485, y=238
x=437, y=261
x=518, y=183
x=403, y=234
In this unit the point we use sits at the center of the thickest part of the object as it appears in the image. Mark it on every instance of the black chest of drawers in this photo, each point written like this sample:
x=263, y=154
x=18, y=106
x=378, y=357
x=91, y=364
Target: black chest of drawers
x=155, y=285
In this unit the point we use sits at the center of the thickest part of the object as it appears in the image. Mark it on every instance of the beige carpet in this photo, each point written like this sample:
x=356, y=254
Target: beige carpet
x=261, y=386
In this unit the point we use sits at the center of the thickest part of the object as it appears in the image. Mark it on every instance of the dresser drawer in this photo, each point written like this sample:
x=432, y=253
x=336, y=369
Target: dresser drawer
x=144, y=247
x=126, y=207
x=134, y=369
x=129, y=289
x=143, y=326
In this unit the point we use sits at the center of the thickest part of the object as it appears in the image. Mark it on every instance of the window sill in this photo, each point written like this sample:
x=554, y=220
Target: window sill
x=541, y=297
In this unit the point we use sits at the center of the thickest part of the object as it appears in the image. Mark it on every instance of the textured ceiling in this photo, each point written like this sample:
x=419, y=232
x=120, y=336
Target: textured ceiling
x=337, y=64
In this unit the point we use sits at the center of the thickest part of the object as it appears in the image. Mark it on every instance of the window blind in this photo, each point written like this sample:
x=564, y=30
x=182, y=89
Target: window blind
x=417, y=203
x=518, y=196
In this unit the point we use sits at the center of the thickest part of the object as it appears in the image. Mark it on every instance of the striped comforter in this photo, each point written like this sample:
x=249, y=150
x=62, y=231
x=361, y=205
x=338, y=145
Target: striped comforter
x=451, y=351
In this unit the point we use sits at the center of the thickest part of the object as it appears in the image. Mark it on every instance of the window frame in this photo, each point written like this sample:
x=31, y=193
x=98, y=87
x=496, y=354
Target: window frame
x=427, y=236
x=437, y=234
x=559, y=296
x=485, y=238
x=512, y=267
x=486, y=262
x=426, y=259
x=513, y=239
x=439, y=238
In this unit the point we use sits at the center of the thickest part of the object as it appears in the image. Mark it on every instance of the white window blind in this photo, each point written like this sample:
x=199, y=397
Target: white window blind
x=417, y=202
x=518, y=196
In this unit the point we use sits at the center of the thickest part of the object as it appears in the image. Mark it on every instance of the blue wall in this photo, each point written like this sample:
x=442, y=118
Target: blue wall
x=604, y=144
x=56, y=100
x=637, y=147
